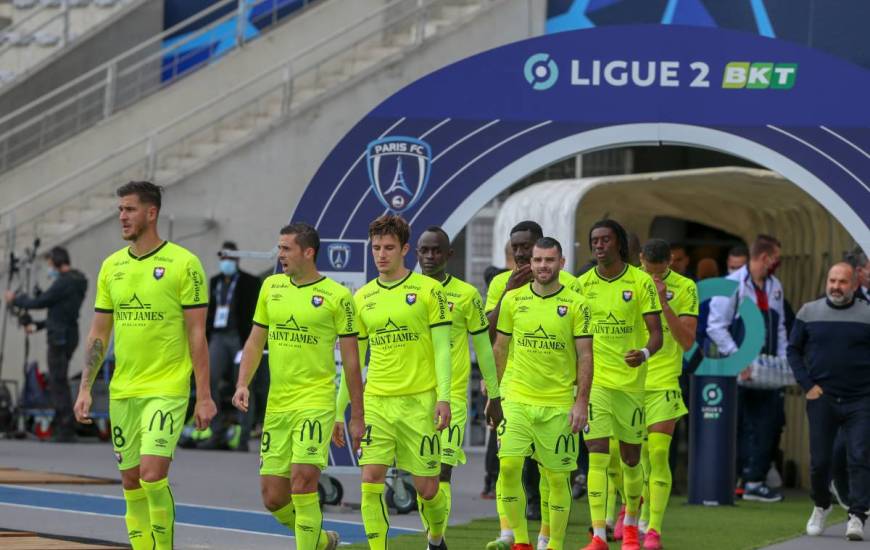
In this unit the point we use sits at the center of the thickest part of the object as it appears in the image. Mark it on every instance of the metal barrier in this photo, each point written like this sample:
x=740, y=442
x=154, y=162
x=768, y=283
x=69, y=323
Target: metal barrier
x=286, y=87
x=123, y=81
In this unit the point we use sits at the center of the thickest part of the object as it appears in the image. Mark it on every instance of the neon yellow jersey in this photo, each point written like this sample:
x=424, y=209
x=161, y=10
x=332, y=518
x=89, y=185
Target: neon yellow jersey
x=543, y=365
x=303, y=323
x=147, y=297
x=618, y=306
x=499, y=283
x=664, y=368
x=466, y=309
x=397, y=320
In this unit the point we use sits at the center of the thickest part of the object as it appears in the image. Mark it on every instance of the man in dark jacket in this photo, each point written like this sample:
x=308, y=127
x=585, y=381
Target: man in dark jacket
x=233, y=297
x=829, y=352
x=63, y=299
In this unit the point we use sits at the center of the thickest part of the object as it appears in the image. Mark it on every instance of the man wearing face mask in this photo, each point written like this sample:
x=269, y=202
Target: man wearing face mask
x=829, y=352
x=761, y=412
x=63, y=299
x=234, y=299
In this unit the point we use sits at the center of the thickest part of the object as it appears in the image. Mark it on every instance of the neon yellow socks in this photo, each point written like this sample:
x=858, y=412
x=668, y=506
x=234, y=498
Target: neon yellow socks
x=559, y=505
x=596, y=483
x=513, y=497
x=138, y=519
x=544, y=489
x=633, y=488
x=444, y=487
x=433, y=514
x=659, y=479
x=374, y=515
x=161, y=509
x=309, y=521
x=614, y=482
x=644, y=462
x=286, y=516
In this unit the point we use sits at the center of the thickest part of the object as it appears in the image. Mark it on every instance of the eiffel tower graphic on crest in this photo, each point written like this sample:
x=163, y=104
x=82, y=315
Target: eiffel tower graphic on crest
x=399, y=181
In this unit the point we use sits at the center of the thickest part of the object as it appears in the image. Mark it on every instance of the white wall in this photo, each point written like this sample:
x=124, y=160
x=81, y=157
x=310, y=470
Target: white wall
x=251, y=192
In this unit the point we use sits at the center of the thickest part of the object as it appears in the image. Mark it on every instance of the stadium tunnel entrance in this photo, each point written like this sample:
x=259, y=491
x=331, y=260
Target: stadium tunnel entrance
x=443, y=147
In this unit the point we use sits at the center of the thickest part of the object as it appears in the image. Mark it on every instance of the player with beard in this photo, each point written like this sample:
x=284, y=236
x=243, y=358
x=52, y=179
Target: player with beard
x=549, y=327
x=627, y=327
x=153, y=295
x=522, y=239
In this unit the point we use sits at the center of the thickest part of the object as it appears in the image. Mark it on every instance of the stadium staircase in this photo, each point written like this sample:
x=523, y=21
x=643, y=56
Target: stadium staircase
x=227, y=113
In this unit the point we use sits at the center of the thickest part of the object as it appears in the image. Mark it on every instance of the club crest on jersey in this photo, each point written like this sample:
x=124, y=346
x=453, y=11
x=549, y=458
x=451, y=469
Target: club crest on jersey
x=317, y=301
x=159, y=272
x=562, y=310
x=669, y=295
x=626, y=295
x=399, y=168
x=450, y=305
x=339, y=254
x=411, y=298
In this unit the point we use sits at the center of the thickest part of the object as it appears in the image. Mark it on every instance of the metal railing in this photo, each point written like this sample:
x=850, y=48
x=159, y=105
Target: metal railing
x=134, y=75
x=49, y=25
x=286, y=87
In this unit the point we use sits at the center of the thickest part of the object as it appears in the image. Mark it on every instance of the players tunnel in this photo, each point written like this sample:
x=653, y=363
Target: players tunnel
x=443, y=147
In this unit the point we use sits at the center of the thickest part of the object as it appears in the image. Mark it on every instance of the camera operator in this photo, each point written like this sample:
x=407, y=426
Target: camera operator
x=63, y=299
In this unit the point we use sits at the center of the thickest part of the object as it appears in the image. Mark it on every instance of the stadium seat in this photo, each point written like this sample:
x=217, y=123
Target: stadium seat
x=106, y=3
x=24, y=4
x=46, y=39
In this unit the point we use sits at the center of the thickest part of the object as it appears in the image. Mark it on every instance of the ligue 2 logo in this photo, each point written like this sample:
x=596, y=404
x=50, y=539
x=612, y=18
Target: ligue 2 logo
x=541, y=71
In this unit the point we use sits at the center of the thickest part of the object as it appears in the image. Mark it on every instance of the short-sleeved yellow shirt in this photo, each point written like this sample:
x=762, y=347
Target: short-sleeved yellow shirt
x=147, y=296
x=397, y=320
x=543, y=365
x=303, y=323
x=618, y=306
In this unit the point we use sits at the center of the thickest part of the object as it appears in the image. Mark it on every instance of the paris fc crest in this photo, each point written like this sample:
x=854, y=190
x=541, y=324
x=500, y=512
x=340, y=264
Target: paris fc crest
x=158, y=272
x=339, y=254
x=411, y=298
x=669, y=295
x=399, y=169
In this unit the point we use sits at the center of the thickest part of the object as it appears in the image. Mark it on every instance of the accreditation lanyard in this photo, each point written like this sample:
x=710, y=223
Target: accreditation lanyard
x=222, y=313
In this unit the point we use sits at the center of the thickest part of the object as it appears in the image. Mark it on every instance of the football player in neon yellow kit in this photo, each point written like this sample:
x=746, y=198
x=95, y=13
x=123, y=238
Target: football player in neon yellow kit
x=466, y=308
x=550, y=328
x=405, y=321
x=154, y=295
x=663, y=400
x=522, y=239
x=301, y=313
x=627, y=328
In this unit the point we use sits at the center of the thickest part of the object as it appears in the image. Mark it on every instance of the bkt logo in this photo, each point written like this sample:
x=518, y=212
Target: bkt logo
x=541, y=71
x=399, y=168
x=759, y=76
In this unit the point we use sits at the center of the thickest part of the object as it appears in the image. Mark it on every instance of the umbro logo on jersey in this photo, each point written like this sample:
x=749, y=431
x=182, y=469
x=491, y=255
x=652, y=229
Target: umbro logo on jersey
x=522, y=309
x=669, y=295
x=317, y=301
x=562, y=310
x=411, y=298
x=159, y=272
x=627, y=295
